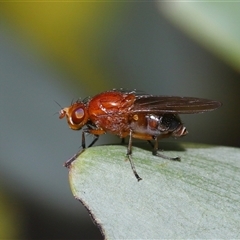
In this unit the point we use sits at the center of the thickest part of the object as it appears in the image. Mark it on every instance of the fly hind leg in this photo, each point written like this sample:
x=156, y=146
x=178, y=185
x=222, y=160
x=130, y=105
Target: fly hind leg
x=155, y=151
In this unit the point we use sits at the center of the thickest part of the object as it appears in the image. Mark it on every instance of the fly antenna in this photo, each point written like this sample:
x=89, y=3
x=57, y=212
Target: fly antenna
x=58, y=104
x=62, y=112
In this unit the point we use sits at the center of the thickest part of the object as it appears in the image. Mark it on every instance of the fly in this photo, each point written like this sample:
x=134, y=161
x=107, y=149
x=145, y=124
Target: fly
x=134, y=114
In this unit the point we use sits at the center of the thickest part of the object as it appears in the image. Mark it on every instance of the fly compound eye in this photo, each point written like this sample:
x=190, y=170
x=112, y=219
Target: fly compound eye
x=78, y=115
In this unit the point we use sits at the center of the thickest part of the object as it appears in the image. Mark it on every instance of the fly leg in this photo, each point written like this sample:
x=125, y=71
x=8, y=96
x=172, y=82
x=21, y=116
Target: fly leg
x=85, y=131
x=129, y=153
x=156, y=153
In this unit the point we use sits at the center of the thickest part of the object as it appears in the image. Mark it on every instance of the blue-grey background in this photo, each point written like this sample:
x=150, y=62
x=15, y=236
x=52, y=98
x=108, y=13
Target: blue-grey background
x=145, y=52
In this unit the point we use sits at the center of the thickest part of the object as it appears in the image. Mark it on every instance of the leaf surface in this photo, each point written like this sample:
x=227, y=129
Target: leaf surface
x=198, y=197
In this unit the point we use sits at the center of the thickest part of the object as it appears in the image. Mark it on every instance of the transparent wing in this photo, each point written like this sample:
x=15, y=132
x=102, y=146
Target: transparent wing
x=172, y=104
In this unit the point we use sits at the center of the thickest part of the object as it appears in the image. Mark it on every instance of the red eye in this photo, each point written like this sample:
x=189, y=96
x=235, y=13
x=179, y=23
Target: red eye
x=78, y=116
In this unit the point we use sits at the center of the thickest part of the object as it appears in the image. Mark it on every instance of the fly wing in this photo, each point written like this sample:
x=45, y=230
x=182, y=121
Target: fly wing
x=172, y=104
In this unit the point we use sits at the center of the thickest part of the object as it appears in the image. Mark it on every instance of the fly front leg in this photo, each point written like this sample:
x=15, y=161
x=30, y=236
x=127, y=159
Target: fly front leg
x=155, y=151
x=129, y=153
x=96, y=133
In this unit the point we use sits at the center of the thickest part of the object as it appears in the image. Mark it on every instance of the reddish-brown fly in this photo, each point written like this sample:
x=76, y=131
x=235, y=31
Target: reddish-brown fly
x=137, y=115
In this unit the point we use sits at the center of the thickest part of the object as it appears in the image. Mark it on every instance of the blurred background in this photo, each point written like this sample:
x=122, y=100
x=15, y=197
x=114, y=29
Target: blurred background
x=61, y=51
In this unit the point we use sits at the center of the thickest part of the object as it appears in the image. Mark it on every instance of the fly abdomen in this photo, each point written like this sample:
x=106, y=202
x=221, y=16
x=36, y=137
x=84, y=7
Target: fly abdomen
x=156, y=125
x=172, y=124
x=169, y=122
x=166, y=123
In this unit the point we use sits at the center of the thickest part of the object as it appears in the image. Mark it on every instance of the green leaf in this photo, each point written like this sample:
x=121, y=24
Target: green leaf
x=198, y=197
